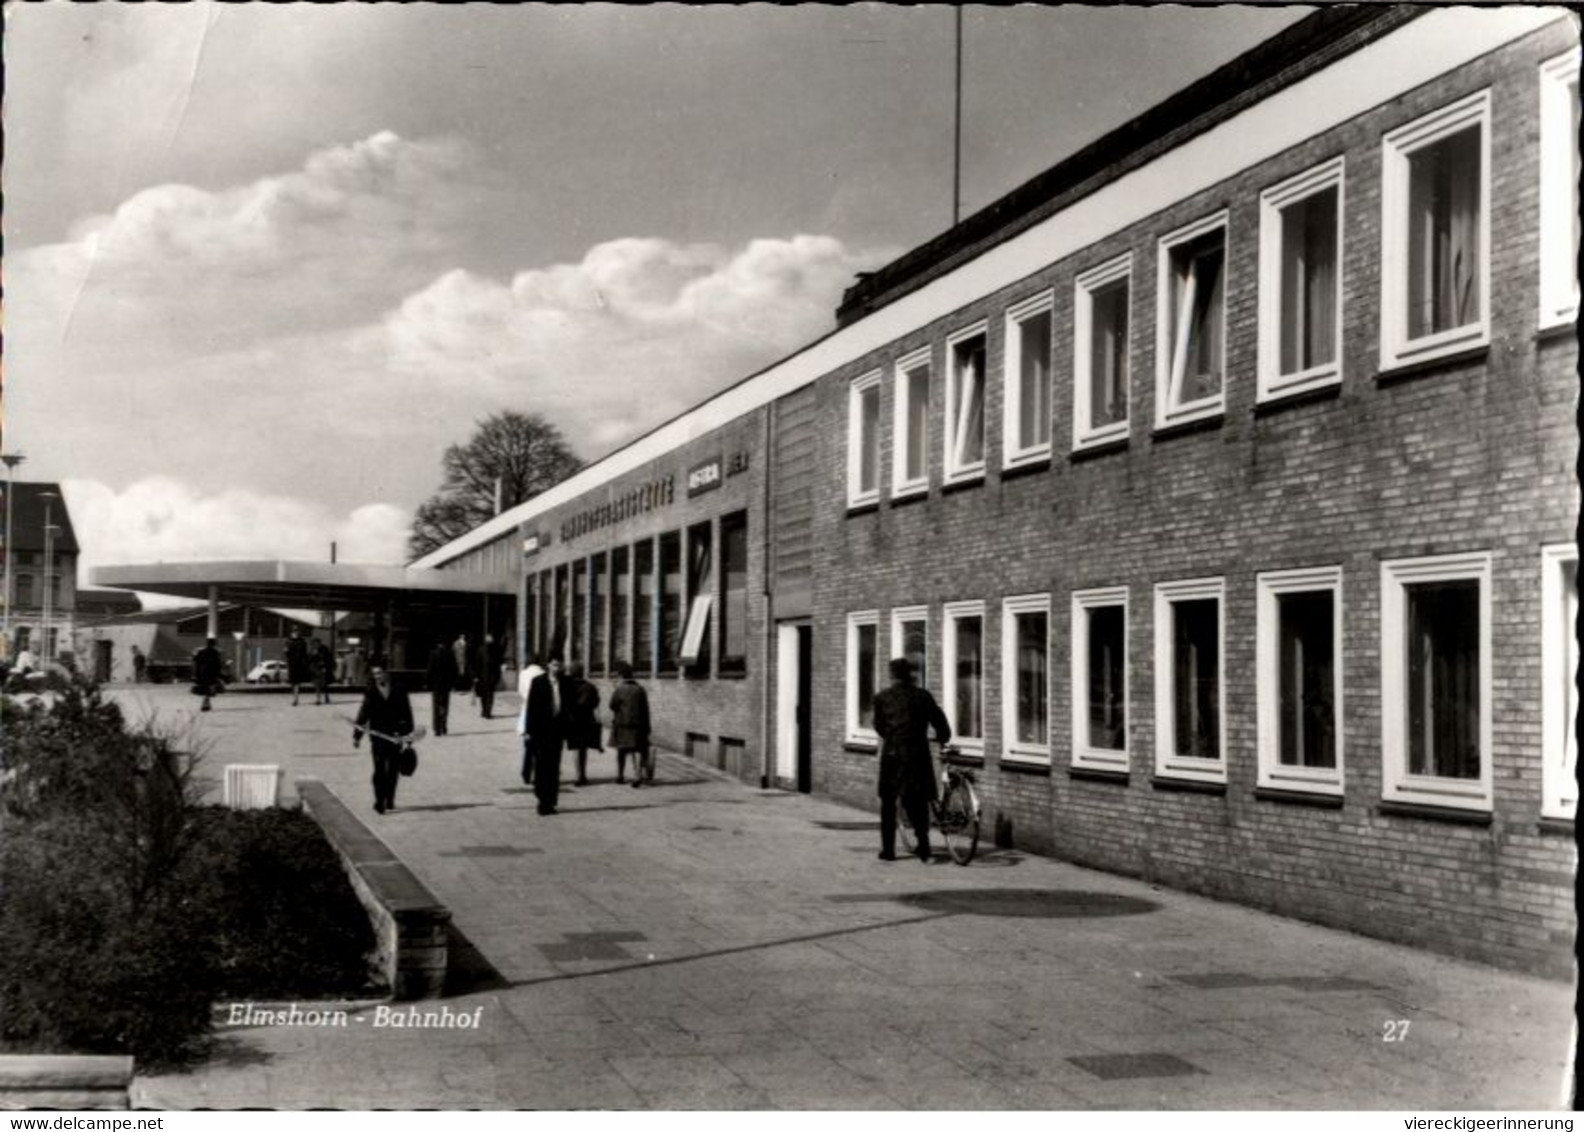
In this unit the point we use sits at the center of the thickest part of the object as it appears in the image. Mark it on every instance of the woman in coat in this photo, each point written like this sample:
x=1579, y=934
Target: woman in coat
x=584, y=731
x=629, y=705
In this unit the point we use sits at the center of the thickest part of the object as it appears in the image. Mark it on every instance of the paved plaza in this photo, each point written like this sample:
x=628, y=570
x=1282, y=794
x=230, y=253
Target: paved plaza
x=705, y=944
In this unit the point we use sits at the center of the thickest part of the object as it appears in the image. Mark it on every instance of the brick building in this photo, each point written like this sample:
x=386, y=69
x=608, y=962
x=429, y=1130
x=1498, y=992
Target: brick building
x=42, y=590
x=1221, y=479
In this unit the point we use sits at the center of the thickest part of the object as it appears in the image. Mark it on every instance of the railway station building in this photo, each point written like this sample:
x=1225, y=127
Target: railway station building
x=1221, y=481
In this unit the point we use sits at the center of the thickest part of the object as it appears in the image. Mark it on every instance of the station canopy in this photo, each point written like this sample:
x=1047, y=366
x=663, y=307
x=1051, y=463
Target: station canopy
x=339, y=586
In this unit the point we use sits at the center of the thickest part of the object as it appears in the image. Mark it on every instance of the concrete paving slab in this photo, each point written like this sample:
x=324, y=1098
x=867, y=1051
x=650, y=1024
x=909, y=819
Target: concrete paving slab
x=709, y=945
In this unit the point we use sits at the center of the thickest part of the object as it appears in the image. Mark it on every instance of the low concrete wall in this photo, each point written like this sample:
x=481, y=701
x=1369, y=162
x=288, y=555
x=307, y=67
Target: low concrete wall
x=64, y=1081
x=411, y=925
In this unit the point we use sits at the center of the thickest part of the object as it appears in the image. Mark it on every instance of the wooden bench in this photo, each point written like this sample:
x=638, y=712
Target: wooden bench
x=64, y=1081
x=411, y=925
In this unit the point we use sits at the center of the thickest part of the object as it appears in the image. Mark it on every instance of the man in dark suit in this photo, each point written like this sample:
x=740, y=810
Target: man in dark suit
x=487, y=665
x=385, y=709
x=903, y=716
x=551, y=702
x=207, y=670
x=442, y=678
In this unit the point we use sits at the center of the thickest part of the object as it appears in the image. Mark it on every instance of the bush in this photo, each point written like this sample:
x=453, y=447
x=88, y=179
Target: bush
x=128, y=908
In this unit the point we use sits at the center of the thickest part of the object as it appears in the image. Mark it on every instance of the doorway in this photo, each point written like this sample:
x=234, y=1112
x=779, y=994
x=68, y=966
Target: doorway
x=794, y=706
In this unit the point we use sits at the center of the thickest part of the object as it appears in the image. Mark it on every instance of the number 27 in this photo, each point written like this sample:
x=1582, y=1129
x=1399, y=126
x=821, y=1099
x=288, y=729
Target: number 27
x=1395, y=1030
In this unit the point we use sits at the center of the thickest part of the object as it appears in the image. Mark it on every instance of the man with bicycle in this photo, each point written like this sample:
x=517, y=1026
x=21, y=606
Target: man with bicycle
x=903, y=715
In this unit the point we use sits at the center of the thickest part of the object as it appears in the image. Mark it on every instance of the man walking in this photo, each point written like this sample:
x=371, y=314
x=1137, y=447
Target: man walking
x=525, y=680
x=323, y=665
x=442, y=677
x=488, y=673
x=549, y=716
x=296, y=663
x=629, y=705
x=903, y=717
x=584, y=729
x=386, y=709
x=207, y=667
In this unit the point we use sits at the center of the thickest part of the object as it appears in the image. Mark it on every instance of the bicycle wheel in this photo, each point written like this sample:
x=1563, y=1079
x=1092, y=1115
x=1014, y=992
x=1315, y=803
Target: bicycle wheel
x=959, y=821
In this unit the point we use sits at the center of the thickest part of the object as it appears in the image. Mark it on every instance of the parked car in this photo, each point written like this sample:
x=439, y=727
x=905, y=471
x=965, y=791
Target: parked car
x=269, y=672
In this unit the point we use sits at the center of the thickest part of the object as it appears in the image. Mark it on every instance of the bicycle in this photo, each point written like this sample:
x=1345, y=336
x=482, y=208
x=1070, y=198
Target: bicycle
x=955, y=813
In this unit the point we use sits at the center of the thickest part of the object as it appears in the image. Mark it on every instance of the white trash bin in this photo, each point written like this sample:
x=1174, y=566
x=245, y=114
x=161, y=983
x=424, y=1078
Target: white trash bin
x=252, y=786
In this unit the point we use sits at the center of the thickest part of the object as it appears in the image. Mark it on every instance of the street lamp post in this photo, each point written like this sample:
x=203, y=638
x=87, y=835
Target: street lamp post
x=49, y=498
x=11, y=459
x=240, y=673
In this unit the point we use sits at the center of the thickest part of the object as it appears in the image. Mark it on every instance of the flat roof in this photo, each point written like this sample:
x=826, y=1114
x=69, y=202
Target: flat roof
x=307, y=585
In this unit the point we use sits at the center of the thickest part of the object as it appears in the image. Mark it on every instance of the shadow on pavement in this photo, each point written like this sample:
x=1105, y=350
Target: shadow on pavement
x=1037, y=903
x=467, y=970
x=443, y=807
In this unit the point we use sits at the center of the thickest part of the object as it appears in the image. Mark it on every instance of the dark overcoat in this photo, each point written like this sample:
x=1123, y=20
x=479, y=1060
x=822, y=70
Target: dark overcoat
x=629, y=705
x=390, y=715
x=297, y=661
x=442, y=671
x=207, y=667
x=585, y=732
x=904, y=715
x=547, y=728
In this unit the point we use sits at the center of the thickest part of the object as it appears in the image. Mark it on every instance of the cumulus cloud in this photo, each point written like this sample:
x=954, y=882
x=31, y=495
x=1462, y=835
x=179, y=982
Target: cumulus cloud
x=161, y=519
x=633, y=333
x=177, y=266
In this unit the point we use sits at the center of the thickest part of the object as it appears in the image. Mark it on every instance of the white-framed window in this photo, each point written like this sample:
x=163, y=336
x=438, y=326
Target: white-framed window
x=1025, y=677
x=1027, y=385
x=1435, y=234
x=910, y=426
x=1190, y=366
x=1299, y=674
x=1100, y=678
x=1559, y=669
x=863, y=674
x=863, y=440
x=1559, y=192
x=1102, y=358
x=1300, y=304
x=965, y=400
x=910, y=638
x=1436, y=680
x=1190, y=684
x=963, y=672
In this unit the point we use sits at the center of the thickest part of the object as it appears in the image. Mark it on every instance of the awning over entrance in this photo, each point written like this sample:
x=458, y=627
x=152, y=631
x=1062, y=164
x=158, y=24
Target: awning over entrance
x=342, y=586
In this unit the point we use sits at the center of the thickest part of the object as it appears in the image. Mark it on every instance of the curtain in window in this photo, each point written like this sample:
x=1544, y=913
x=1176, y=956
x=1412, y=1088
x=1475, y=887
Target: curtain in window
x=1031, y=678
x=1308, y=285
x=917, y=422
x=970, y=678
x=914, y=642
x=869, y=439
x=1106, y=703
x=1034, y=388
x=868, y=667
x=1443, y=235
x=1196, y=355
x=1443, y=680
x=1108, y=359
x=969, y=448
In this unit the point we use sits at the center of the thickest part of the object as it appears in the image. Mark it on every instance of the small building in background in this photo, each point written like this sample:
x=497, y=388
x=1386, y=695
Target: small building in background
x=248, y=636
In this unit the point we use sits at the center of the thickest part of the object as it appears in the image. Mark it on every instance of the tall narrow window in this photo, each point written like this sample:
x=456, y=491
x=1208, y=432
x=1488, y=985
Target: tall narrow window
x=1100, y=679
x=577, y=637
x=1559, y=190
x=965, y=370
x=1188, y=686
x=1025, y=674
x=964, y=671
x=1101, y=355
x=910, y=452
x=646, y=609
x=734, y=596
x=531, y=613
x=1559, y=671
x=863, y=441
x=1191, y=354
x=621, y=606
x=670, y=602
x=1435, y=680
x=910, y=639
x=863, y=674
x=701, y=599
x=547, y=615
x=24, y=590
x=598, y=604
x=562, y=637
x=1027, y=381
x=1436, y=233
x=1300, y=282
x=1300, y=680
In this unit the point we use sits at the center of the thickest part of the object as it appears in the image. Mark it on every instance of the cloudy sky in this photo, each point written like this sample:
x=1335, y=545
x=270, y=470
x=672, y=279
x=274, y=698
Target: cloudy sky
x=264, y=262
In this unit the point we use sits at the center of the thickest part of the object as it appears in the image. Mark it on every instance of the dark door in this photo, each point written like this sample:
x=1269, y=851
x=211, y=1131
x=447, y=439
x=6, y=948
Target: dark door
x=102, y=651
x=805, y=713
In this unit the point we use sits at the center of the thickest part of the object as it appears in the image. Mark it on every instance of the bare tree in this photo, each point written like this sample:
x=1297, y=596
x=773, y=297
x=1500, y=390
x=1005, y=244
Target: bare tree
x=518, y=454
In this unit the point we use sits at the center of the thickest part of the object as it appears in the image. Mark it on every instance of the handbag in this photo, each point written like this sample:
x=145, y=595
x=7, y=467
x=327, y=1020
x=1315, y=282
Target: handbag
x=407, y=760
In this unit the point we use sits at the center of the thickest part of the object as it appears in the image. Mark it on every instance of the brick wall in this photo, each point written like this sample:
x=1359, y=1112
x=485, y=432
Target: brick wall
x=1477, y=454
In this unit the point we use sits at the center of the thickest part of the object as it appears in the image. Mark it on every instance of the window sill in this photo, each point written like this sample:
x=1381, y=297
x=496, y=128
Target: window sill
x=1096, y=774
x=870, y=507
x=1174, y=429
x=969, y=757
x=1556, y=827
x=1093, y=450
x=1429, y=812
x=975, y=480
x=736, y=675
x=1187, y=786
x=914, y=495
x=1299, y=798
x=1026, y=764
x=861, y=746
x=1028, y=467
x=1275, y=403
x=1555, y=331
x=1407, y=371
